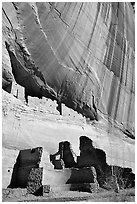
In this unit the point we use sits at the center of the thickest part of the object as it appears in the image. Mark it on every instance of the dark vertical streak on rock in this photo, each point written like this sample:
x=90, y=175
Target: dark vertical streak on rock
x=95, y=22
x=75, y=65
x=9, y=23
x=121, y=74
x=15, y=6
x=7, y=18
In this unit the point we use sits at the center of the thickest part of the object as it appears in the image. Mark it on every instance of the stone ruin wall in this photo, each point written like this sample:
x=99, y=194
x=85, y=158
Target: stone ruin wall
x=88, y=175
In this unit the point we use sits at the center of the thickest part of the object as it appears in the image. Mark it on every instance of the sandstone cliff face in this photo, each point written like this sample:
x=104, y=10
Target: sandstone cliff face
x=68, y=52
x=71, y=51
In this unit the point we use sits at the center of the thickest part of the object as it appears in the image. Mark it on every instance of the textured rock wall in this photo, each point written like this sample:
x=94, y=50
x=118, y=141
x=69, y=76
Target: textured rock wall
x=71, y=51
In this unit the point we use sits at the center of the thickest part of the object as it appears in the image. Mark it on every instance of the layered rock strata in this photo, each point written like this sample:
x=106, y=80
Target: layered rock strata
x=72, y=51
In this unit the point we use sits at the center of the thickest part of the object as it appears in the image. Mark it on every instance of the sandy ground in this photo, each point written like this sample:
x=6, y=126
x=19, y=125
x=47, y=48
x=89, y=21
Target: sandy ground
x=18, y=195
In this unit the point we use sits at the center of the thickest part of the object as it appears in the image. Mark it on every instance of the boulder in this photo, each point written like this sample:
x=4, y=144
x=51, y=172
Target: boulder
x=85, y=187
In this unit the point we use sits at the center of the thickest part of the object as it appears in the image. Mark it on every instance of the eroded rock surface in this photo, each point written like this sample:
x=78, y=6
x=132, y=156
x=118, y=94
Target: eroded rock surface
x=73, y=51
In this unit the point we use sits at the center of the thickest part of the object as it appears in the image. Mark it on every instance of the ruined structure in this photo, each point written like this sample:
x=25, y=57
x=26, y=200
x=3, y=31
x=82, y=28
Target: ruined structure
x=26, y=160
x=80, y=56
x=65, y=154
x=88, y=173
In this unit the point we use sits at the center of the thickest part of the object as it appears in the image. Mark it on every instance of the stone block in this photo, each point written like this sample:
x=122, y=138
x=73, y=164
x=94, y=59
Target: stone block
x=34, y=184
x=85, y=187
x=83, y=175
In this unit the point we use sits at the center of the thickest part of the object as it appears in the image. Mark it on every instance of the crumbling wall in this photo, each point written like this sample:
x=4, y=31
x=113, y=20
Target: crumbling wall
x=90, y=156
x=87, y=174
x=26, y=160
x=92, y=160
x=125, y=177
x=84, y=179
x=83, y=175
x=65, y=154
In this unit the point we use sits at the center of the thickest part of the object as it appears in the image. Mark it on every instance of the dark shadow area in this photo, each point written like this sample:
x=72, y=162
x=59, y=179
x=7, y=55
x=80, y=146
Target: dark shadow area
x=129, y=134
x=83, y=175
x=89, y=172
x=26, y=160
x=35, y=85
x=91, y=156
x=64, y=155
x=84, y=187
x=39, y=192
x=90, y=168
x=125, y=177
x=83, y=179
x=6, y=80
